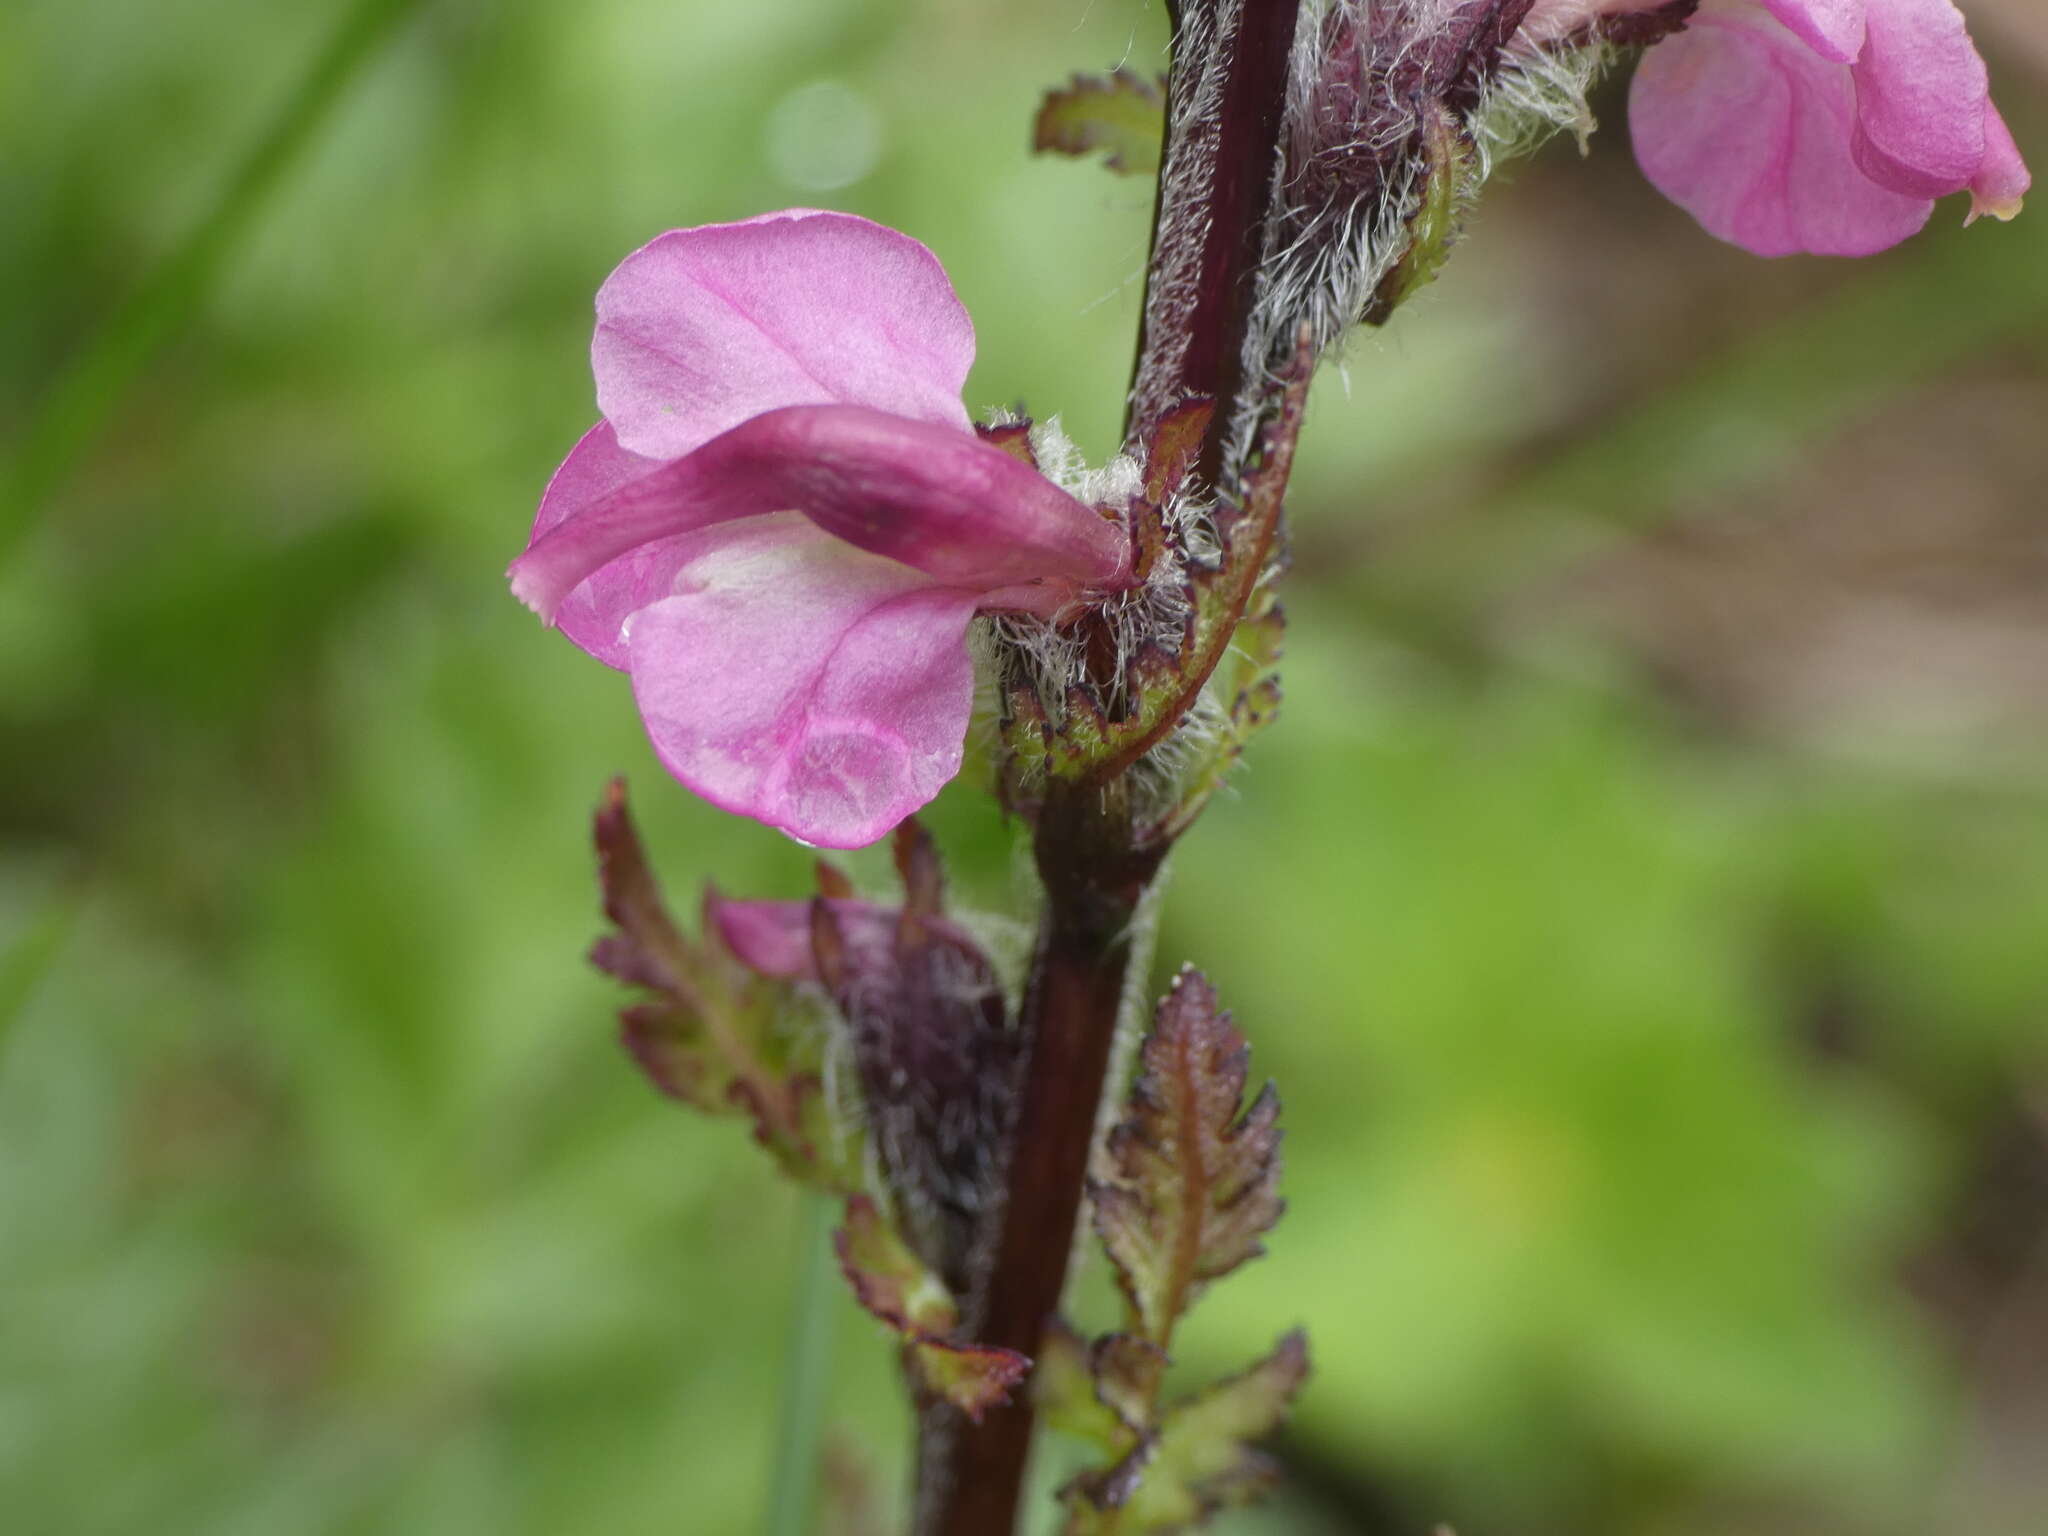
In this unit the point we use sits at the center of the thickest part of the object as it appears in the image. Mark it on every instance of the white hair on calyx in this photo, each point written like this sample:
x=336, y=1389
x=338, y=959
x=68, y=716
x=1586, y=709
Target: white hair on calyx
x=1365, y=76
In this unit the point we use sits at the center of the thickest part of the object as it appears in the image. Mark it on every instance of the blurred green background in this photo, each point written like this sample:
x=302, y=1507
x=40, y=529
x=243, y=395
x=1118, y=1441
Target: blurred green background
x=1643, y=903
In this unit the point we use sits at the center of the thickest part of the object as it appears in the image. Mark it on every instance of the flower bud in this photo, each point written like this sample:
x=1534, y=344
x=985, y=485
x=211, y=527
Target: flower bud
x=1378, y=158
x=927, y=1029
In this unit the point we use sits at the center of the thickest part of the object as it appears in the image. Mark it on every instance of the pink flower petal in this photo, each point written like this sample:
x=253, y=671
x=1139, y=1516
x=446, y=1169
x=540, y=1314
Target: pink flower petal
x=702, y=328
x=596, y=554
x=955, y=507
x=804, y=683
x=770, y=938
x=1741, y=124
x=773, y=938
x=2001, y=183
x=928, y=496
x=594, y=612
x=1920, y=97
x=1831, y=28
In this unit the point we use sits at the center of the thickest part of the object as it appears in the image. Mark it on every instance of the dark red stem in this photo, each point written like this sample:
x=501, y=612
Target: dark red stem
x=971, y=1475
x=1208, y=239
x=1209, y=228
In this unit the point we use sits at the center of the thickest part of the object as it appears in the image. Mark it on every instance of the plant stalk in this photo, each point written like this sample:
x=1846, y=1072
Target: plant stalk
x=1209, y=232
x=971, y=1476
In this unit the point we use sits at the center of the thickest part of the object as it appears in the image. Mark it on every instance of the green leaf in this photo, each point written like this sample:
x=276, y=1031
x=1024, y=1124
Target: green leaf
x=1192, y=1184
x=1201, y=1460
x=1449, y=184
x=972, y=1377
x=887, y=1278
x=894, y=1285
x=1122, y=114
x=1251, y=684
x=1063, y=1386
x=1128, y=1371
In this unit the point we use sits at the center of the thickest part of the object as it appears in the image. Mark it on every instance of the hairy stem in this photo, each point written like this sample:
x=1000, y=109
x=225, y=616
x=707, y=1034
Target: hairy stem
x=1223, y=115
x=1223, y=124
x=971, y=1475
x=1249, y=546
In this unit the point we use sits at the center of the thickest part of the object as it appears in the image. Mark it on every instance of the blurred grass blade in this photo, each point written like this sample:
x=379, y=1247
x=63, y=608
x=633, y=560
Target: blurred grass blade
x=25, y=962
x=77, y=406
x=800, y=1436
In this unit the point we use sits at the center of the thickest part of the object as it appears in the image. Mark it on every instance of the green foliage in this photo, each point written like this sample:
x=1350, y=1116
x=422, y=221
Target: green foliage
x=1248, y=681
x=1120, y=113
x=1063, y=1384
x=1199, y=1461
x=1449, y=184
x=898, y=1290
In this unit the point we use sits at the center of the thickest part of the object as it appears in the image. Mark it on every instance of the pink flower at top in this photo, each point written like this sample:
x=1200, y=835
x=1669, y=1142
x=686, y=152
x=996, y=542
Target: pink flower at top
x=1826, y=126
x=785, y=522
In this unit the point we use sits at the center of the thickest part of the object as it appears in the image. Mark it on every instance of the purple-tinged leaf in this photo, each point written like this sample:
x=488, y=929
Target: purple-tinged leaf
x=894, y=1285
x=648, y=950
x=671, y=1051
x=1191, y=1184
x=1188, y=1185
x=708, y=1034
x=1174, y=447
x=924, y=880
x=1201, y=1460
x=887, y=1278
x=1198, y=1460
x=1097, y=1501
x=1122, y=114
x=1013, y=437
x=1128, y=1371
x=972, y=1377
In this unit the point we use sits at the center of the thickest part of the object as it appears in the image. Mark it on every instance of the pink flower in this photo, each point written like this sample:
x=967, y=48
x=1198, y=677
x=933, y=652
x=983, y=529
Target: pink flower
x=785, y=522
x=1827, y=126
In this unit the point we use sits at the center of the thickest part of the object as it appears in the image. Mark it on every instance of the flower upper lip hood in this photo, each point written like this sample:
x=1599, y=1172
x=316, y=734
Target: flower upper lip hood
x=1825, y=126
x=784, y=523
